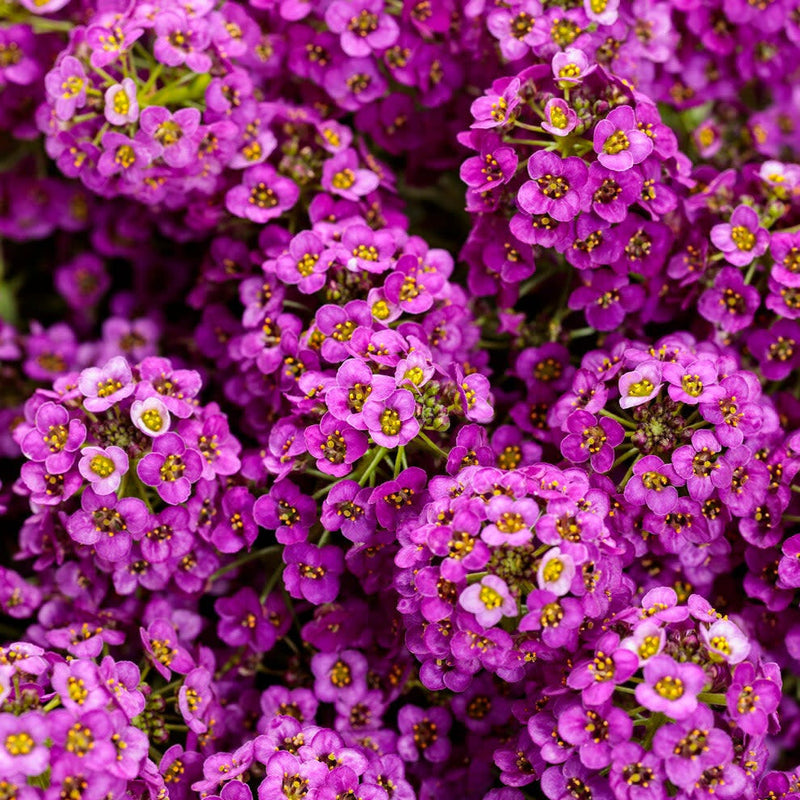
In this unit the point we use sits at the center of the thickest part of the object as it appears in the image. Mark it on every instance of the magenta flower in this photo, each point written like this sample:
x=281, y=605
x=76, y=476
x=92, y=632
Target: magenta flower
x=171, y=468
x=22, y=744
x=596, y=732
x=335, y=445
x=495, y=107
x=556, y=187
x=688, y=383
x=120, y=103
x=341, y=175
x=55, y=438
x=640, y=385
x=173, y=137
x=423, y=732
x=751, y=698
x=618, y=142
x=556, y=571
x=104, y=468
x=104, y=386
x=150, y=416
x=306, y=262
x=653, y=484
x=730, y=302
x=725, y=642
x=490, y=601
x=108, y=524
x=391, y=420
x=511, y=521
x=181, y=40
x=670, y=687
x=312, y=572
x=591, y=438
x=67, y=84
x=742, y=239
x=571, y=66
x=363, y=26
x=777, y=350
x=263, y=194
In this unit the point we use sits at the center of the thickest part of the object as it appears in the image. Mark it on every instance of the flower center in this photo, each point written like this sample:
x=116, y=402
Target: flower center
x=305, y=266
x=669, y=688
x=364, y=24
x=743, y=238
x=641, y=388
x=168, y=133
x=553, y=186
x=390, y=422
x=172, y=468
x=551, y=615
x=553, y=569
x=19, y=744
x=655, y=481
x=490, y=598
x=152, y=420
x=108, y=387
x=344, y=179
x=102, y=466
x=262, y=196
x=616, y=143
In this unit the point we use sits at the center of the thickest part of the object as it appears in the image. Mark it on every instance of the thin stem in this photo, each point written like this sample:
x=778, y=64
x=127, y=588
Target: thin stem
x=625, y=456
x=372, y=466
x=245, y=559
x=622, y=421
x=431, y=446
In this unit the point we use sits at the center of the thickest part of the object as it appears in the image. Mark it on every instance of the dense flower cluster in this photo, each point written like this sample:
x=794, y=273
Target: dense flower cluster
x=400, y=400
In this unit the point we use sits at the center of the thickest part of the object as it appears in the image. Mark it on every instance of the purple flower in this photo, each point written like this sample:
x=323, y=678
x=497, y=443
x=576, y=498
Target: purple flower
x=777, y=349
x=607, y=299
x=107, y=523
x=489, y=600
x=338, y=674
x=618, y=142
x=730, y=302
x=496, y=165
x=423, y=732
x=181, y=40
x=236, y=526
x=751, y=698
x=571, y=66
x=341, y=175
x=121, y=106
x=559, y=117
x=742, y=239
x=162, y=646
x=313, y=572
x=104, y=468
x=171, y=468
x=55, y=438
x=612, y=193
x=150, y=416
x=495, y=107
x=391, y=420
x=66, y=83
x=595, y=731
x=725, y=642
x=591, y=438
x=175, y=387
x=511, y=521
x=173, y=137
x=243, y=621
x=653, y=484
x=363, y=26
x=688, y=383
x=22, y=744
x=640, y=385
x=670, y=687
x=306, y=263
x=104, y=386
x=742, y=480
x=263, y=194
x=691, y=746
x=287, y=511
x=556, y=188
x=335, y=445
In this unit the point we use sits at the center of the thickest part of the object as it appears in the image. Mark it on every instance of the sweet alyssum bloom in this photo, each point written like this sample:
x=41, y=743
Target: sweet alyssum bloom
x=670, y=687
x=171, y=468
x=618, y=142
x=742, y=239
x=489, y=600
x=103, y=467
x=556, y=188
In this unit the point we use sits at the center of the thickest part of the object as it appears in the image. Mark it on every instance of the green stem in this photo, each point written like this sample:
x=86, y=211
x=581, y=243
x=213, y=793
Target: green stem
x=430, y=445
x=625, y=456
x=622, y=421
x=373, y=465
x=245, y=559
x=713, y=698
